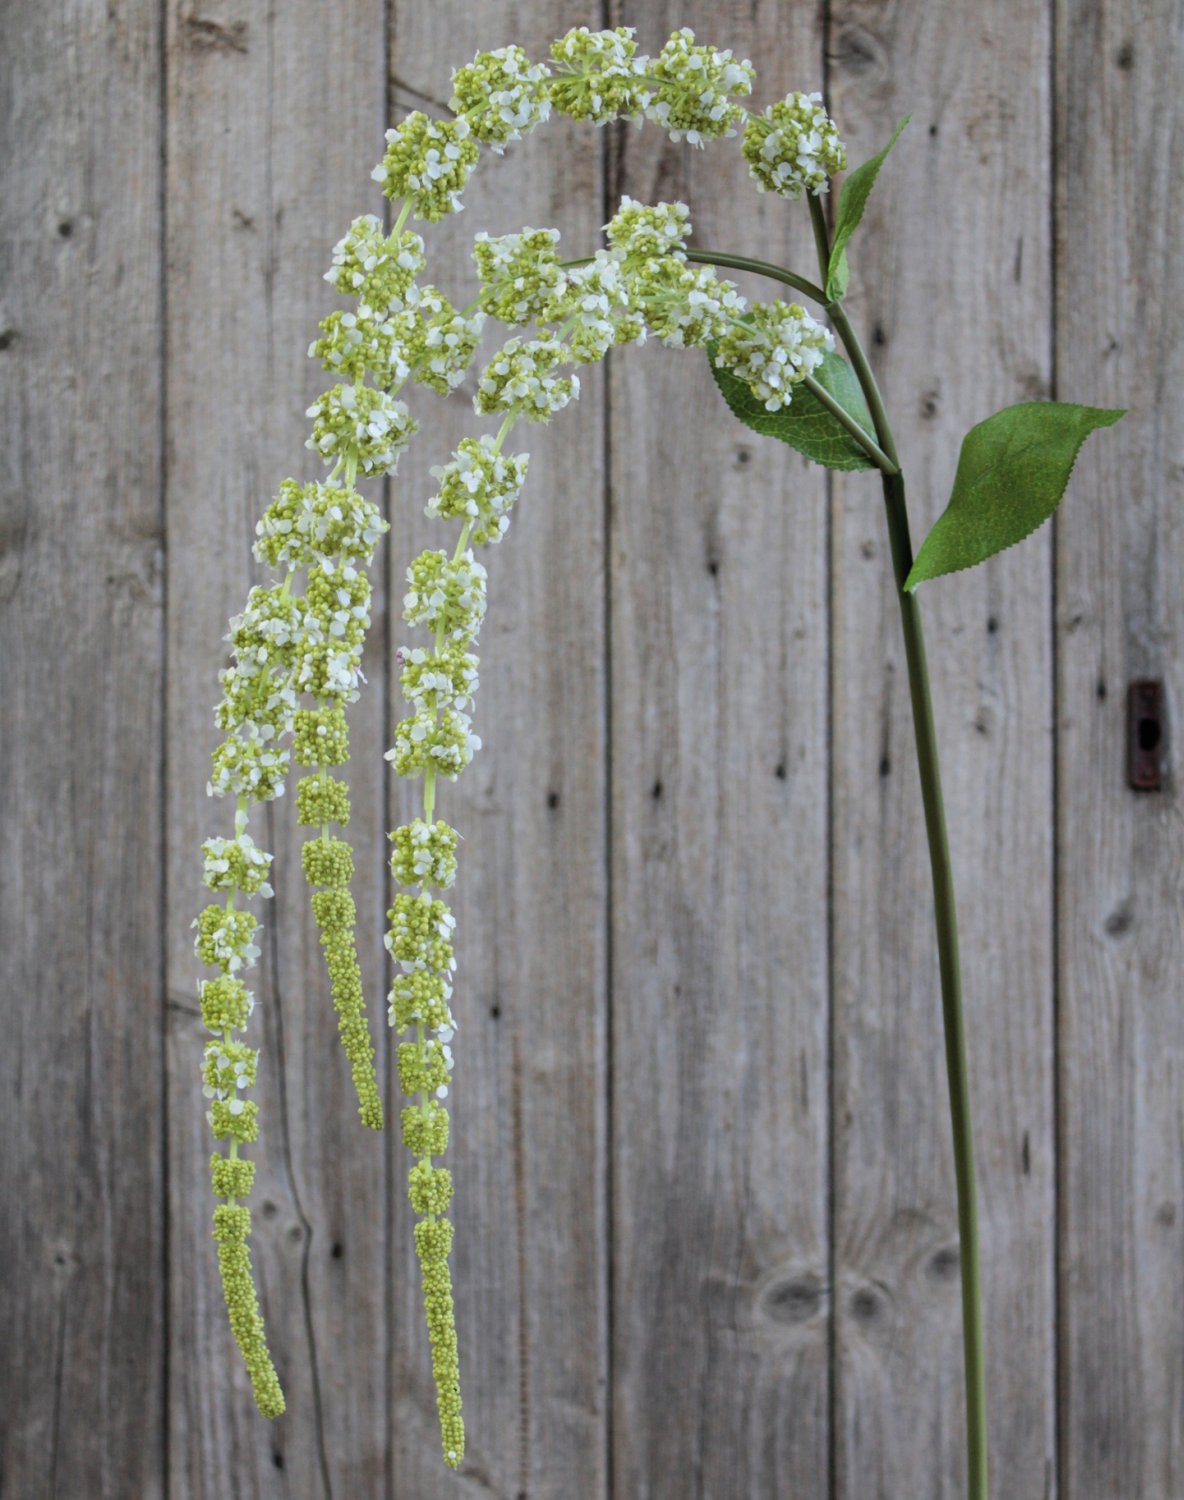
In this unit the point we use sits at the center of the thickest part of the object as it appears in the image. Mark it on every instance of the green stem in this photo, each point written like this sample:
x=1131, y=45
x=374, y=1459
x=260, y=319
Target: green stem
x=945, y=910
x=739, y=263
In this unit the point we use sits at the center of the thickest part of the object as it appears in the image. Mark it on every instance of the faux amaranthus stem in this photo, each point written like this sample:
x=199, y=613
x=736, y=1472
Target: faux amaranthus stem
x=945, y=909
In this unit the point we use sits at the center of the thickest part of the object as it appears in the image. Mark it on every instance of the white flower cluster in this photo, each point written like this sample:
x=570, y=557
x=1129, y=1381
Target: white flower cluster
x=367, y=265
x=684, y=305
x=446, y=594
x=599, y=76
x=250, y=764
x=501, y=94
x=598, y=299
x=519, y=272
x=777, y=348
x=695, y=88
x=479, y=486
x=640, y=230
x=237, y=864
x=361, y=421
x=793, y=145
x=520, y=378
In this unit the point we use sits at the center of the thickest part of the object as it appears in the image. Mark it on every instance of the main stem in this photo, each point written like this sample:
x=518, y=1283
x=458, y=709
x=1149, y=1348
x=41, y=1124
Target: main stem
x=945, y=909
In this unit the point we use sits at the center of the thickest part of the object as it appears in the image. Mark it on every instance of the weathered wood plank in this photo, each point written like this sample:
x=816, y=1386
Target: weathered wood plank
x=1120, y=558
x=719, y=834
x=81, y=1236
x=528, y=1148
x=273, y=119
x=951, y=290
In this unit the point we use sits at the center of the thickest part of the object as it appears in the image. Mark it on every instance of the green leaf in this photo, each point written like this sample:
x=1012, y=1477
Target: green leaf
x=805, y=424
x=836, y=281
x=856, y=190
x=1012, y=472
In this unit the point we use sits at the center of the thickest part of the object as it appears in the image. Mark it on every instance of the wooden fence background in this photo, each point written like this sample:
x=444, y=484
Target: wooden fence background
x=706, y=1242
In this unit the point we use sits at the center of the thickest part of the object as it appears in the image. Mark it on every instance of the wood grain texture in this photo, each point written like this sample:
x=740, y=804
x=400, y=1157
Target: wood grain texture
x=719, y=738
x=82, y=1234
x=950, y=290
x=274, y=116
x=528, y=1108
x=1120, y=280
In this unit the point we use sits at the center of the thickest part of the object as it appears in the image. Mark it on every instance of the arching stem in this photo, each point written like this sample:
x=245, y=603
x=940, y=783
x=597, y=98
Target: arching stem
x=943, y=899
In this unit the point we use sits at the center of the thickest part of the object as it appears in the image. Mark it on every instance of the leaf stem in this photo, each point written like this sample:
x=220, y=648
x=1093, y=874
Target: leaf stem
x=886, y=465
x=945, y=910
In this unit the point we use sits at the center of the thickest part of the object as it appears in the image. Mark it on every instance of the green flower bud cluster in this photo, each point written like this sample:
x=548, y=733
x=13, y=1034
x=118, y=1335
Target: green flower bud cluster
x=793, y=145
x=425, y=1133
x=320, y=737
x=428, y=162
x=308, y=522
x=229, y=1066
x=236, y=864
x=694, y=88
x=363, y=423
x=420, y=996
x=479, y=486
x=327, y=861
x=433, y=1242
x=502, y=94
x=226, y=1003
x=425, y=853
x=375, y=268
x=336, y=917
x=599, y=77
x=421, y=931
x=232, y=1226
x=321, y=799
x=226, y=937
x=359, y=343
x=519, y=379
x=777, y=348
x=519, y=273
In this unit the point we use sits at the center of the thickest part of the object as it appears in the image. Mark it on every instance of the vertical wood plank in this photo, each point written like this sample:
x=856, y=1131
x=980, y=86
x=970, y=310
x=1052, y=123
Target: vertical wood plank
x=81, y=1235
x=1120, y=557
x=527, y=1149
x=719, y=739
x=273, y=118
x=950, y=288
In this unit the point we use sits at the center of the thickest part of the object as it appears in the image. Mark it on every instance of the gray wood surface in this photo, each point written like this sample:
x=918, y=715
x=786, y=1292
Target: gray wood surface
x=1120, y=558
x=706, y=1240
x=967, y=213
x=83, y=1228
x=719, y=1017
